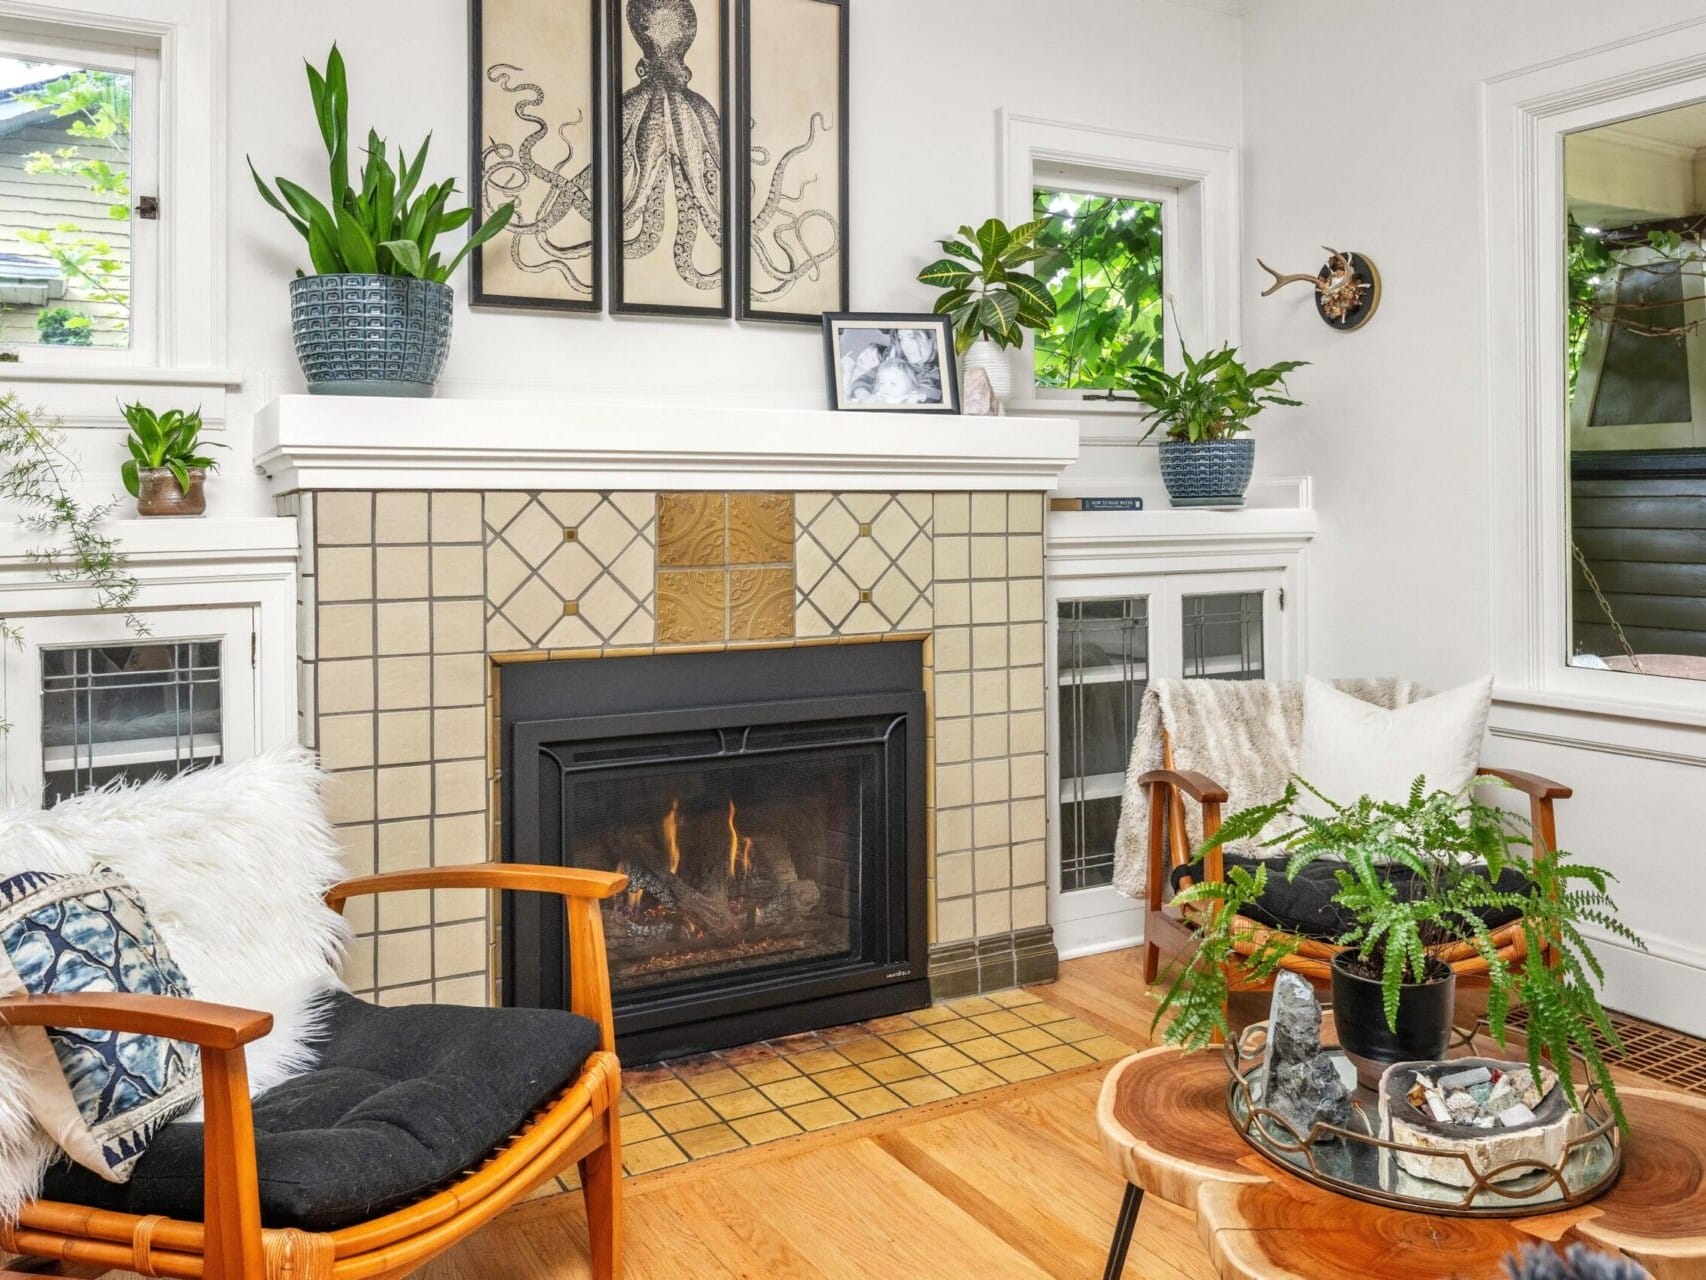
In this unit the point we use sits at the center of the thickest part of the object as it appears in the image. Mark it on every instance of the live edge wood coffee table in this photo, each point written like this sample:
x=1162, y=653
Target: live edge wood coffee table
x=1164, y=1125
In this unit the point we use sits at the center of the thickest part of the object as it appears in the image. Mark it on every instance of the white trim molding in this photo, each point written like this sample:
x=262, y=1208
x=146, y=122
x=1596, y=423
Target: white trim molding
x=1525, y=116
x=307, y=442
x=186, y=302
x=1204, y=241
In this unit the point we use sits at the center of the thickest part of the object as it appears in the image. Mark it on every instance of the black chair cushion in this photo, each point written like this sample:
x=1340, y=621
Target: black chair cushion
x=403, y=1101
x=1305, y=905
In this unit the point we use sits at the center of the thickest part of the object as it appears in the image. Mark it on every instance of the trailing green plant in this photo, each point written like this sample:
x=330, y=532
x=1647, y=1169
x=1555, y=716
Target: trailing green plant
x=1212, y=397
x=1457, y=853
x=35, y=472
x=171, y=440
x=1102, y=267
x=64, y=327
x=985, y=293
x=387, y=225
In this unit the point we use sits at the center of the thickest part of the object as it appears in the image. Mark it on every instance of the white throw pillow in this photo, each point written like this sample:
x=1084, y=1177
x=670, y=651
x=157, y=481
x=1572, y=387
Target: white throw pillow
x=1352, y=748
x=234, y=863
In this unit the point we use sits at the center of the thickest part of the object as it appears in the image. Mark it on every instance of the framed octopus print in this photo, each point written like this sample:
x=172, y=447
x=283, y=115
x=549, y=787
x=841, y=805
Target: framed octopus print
x=669, y=194
x=791, y=154
x=537, y=140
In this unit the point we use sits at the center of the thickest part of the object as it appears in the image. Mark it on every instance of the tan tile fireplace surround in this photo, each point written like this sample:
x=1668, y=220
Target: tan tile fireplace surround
x=427, y=565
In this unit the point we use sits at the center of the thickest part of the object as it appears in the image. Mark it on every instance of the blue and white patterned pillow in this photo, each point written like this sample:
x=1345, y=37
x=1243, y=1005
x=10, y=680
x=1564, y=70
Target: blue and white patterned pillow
x=100, y=1095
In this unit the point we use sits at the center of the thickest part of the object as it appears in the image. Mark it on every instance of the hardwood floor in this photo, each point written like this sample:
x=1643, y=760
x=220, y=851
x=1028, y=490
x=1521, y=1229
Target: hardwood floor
x=1007, y=1183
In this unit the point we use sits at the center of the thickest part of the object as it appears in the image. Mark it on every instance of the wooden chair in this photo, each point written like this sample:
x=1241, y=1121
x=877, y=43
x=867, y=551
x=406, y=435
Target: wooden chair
x=581, y=1125
x=1169, y=933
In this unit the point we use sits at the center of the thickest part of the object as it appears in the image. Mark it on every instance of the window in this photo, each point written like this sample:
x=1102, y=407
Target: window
x=1104, y=270
x=75, y=159
x=1635, y=370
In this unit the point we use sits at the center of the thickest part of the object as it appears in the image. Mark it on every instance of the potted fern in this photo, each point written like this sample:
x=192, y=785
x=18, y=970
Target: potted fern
x=989, y=299
x=1205, y=410
x=166, y=469
x=374, y=318
x=1417, y=880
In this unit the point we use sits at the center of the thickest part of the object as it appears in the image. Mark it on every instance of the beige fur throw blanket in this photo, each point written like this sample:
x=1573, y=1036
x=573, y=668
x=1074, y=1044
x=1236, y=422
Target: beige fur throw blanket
x=1242, y=733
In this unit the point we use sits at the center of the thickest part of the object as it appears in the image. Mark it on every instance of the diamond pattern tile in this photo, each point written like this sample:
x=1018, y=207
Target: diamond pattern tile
x=550, y=591
x=864, y=563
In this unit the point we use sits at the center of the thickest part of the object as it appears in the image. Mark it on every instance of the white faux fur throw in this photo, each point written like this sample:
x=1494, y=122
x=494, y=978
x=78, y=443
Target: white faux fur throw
x=1242, y=733
x=233, y=864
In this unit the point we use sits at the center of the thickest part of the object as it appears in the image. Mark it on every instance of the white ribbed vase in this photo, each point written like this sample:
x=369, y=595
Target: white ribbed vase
x=985, y=355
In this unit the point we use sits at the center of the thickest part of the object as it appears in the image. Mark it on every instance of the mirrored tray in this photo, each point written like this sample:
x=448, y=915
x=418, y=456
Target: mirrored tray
x=1359, y=1162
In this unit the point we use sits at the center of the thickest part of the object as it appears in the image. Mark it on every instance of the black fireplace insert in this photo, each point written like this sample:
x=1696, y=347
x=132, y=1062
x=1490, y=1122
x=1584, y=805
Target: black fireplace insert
x=767, y=807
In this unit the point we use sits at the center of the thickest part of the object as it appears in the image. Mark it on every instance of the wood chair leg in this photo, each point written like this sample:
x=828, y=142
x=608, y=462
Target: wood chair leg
x=1151, y=963
x=601, y=1181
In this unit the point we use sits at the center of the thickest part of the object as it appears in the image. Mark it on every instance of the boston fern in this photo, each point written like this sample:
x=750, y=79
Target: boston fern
x=384, y=226
x=986, y=294
x=1464, y=860
x=1212, y=398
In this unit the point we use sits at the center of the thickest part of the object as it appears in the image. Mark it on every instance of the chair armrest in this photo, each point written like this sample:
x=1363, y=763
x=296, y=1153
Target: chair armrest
x=1198, y=786
x=210, y=1026
x=1530, y=784
x=567, y=882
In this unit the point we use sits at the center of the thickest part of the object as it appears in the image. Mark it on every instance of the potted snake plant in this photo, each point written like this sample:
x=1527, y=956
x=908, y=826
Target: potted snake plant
x=1205, y=411
x=374, y=317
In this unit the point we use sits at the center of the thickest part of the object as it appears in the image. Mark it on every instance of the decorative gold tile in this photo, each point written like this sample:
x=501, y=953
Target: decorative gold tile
x=761, y=528
x=692, y=530
x=691, y=607
x=761, y=604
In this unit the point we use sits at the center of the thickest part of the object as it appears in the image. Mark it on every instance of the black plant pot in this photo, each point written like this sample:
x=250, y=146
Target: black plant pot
x=1424, y=1019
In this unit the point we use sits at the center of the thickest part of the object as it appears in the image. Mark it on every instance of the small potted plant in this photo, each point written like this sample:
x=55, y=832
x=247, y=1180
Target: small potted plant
x=989, y=299
x=166, y=469
x=1206, y=459
x=1418, y=880
x=374, y=318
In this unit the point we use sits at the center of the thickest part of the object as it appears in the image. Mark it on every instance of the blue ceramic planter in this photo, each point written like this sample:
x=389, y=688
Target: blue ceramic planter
x=370, y=335
x=1212, y=473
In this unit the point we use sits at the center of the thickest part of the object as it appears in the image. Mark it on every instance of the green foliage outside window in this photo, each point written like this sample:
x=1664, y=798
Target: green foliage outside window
x=1103, y=268
x=63, y=327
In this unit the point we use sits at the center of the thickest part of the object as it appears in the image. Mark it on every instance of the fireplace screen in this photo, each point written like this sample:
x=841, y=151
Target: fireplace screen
x=730, y=865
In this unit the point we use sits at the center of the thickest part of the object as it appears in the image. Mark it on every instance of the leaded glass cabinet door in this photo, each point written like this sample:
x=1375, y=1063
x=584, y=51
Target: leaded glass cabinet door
x=91, y=703
x=1102, y=651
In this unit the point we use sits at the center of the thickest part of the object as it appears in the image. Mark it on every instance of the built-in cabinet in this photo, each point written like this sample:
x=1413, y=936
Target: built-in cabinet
x=1133, y=598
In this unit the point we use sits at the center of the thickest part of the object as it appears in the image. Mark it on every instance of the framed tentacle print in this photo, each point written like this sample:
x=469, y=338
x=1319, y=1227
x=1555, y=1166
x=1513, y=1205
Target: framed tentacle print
x=537, y=139
x=669, y=193
x=791, y=148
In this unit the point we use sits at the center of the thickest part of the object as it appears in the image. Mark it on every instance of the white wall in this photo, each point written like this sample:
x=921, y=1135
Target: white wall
x=928, y=79
x=1386, y=160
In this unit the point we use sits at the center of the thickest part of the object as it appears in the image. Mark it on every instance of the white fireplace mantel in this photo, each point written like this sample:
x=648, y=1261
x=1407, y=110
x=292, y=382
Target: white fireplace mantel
x=334, y=442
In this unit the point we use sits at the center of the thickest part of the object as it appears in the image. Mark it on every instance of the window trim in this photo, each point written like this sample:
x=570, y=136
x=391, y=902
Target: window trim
x=186, y=299
x=1525, y=116
x=1200, y=255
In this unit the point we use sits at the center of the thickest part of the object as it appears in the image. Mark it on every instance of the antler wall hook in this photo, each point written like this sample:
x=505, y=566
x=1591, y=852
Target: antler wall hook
x=1347, y=288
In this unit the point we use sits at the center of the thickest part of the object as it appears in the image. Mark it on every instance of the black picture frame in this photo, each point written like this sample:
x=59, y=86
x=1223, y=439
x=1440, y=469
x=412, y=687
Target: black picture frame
x=835, y=321
x=743, y=167
x=477, y=69
x=615, y=85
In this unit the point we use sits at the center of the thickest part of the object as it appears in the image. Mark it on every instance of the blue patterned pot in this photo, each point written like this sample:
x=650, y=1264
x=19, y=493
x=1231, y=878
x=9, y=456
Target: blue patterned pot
x=1211, y=473
x=367, y=335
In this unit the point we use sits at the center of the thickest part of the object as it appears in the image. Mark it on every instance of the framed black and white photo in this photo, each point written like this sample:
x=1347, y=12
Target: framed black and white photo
x=669, y=191
x=897, y=363
x=537, y=135
x=791, y=158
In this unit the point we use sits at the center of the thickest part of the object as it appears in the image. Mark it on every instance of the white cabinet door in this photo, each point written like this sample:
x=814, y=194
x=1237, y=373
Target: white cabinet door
x=87, y=701
x=1110, y=637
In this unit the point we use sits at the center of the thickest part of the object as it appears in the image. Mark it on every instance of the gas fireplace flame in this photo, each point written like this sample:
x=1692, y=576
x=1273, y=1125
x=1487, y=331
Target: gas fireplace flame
x=734, y=842
x=635, y=893
x=671, y=824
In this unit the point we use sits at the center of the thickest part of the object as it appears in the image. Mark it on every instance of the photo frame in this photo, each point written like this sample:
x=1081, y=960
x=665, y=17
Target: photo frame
x=667, y=122
x=879, y=361
x=791, y=154
x=537, y=137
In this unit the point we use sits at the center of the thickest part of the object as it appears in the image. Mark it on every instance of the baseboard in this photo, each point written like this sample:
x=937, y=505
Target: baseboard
x=1006, y=960
x=1653, y=985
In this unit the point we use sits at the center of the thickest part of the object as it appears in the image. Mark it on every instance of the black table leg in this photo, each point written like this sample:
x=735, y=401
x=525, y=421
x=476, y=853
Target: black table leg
x=1122, y=1231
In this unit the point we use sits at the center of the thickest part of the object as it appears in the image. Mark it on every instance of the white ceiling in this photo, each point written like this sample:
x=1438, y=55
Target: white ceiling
x=1678, y=127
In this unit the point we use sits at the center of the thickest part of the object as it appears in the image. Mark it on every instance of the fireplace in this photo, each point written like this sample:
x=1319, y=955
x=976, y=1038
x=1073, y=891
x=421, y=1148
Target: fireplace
x=767, y=807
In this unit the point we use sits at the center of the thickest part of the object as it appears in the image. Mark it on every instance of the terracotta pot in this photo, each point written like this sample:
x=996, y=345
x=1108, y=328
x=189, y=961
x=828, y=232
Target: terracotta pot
x=161, y=495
